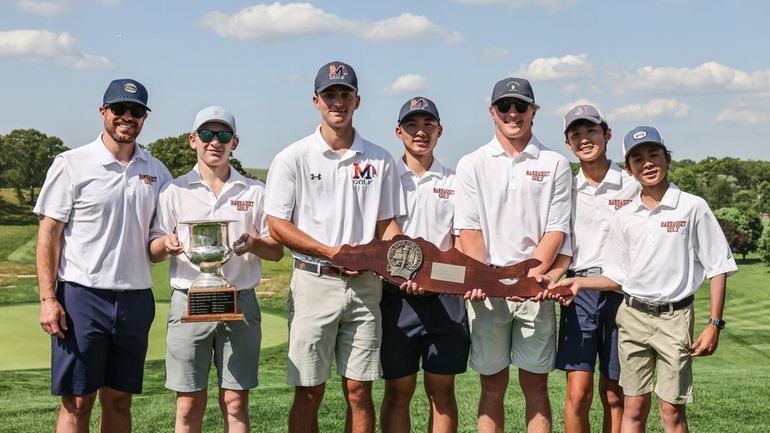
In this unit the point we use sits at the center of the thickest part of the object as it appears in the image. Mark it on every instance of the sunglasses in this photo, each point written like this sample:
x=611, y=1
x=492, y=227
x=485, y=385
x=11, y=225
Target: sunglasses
x=206, y=136
x=505, y=105
x=120, y=109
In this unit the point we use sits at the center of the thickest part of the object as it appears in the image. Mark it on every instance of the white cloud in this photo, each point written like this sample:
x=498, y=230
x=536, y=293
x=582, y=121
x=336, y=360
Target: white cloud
x=653, y=109
x=495, y=52
x=551, y=5
x=563, y=109
x=555, y=68
x=46, y=8
x=406, y=27
x=733, y=115
x=61, y=49
x=276, y=21
x=408, y=83
x=710, y=76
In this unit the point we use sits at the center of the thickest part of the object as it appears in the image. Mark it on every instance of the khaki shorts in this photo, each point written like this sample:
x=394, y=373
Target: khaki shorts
x=233, y=345
x=518, y=333
x=652, y=343
x=333, y=316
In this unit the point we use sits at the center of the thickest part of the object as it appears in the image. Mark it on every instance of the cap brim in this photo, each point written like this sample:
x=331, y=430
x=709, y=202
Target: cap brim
x=322, y=88
x=593, y=120
x=415, y=112
x=220, y=121
x=514, y=96
x=635, y=145
x=133, y=101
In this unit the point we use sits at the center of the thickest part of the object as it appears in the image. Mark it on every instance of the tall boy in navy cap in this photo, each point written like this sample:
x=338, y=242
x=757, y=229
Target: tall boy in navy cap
x=96, y=211
x=325, y=190
x=587, y=327
x=428, y=330
x=513, y=203
x=659, y=249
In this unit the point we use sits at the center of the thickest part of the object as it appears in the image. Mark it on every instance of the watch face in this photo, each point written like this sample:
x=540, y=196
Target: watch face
x=719, y=323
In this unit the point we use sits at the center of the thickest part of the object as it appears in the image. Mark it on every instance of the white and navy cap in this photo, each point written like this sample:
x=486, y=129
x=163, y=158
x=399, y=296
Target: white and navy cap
x=518, y=88
x=216, y=114
x=583, y=112
x=418, y=105
x=125, y=90
x=335, y=73
x=641, y=135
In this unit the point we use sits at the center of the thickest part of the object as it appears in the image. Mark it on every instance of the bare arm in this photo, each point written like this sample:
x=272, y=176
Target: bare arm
x=387, y=228
x=472, y=245
x=160, y=248
x=288, y=234
x=263, y=247
x=546, y=252
x=707, y=342
x=53, y=318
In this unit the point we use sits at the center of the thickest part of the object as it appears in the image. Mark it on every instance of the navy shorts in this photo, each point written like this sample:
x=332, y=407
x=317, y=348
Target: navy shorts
x=105, y=342
x=587, y=328
x=431, y=328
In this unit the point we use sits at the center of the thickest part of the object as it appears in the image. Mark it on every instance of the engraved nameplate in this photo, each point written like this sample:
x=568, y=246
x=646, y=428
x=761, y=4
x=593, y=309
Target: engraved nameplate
x=447, y=272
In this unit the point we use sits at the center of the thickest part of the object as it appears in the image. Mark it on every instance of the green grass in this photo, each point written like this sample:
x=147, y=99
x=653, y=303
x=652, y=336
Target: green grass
x=730, y=386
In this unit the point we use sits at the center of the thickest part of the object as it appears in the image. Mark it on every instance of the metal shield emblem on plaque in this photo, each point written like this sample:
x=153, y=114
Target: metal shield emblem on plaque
x=404, y=259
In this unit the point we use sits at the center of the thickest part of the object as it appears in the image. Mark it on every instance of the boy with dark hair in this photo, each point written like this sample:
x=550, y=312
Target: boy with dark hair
x=587, y=327
x=659, y=249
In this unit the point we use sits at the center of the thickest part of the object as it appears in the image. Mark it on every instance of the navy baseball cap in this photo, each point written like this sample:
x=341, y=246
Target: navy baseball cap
x=126, y=90
x=641, y=135
x=583, y=112
x=518, y=88
x=417, y=105
x=334, y=73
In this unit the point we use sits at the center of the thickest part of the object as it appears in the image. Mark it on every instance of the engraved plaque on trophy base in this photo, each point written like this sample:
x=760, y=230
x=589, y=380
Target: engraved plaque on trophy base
x=207, y=305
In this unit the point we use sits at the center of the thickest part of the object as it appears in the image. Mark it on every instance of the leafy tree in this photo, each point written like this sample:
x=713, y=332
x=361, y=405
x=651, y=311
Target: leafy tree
x=737, y=240
x=719, y=191
x=763, y=246
x=179, y=157
x=687, y=180
x=24, y=161
x=747, y=224
x=762, y=203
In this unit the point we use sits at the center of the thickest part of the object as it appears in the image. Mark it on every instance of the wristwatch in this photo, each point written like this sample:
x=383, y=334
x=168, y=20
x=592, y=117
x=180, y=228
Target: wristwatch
x=719, y=323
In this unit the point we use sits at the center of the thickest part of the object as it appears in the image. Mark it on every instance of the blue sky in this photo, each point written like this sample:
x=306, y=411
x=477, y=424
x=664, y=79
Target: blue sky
x=697, y=70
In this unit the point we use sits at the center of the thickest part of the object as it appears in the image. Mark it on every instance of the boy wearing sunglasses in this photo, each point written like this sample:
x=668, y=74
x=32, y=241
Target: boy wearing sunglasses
x=660, y=248
x=587, y=326
x=96, y=211
x=513, y=203
x=213, y=189
x=329, y=189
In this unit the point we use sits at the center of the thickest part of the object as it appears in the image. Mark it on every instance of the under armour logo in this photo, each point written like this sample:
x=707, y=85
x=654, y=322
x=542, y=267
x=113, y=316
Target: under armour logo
x=315, y=176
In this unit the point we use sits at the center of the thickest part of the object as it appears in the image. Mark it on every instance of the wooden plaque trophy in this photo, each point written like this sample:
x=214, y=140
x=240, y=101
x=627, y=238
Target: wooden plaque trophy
x=211, y=297
x=403, y=258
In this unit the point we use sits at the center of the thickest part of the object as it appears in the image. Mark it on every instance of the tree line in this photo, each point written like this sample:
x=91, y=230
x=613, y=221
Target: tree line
x=737, y=190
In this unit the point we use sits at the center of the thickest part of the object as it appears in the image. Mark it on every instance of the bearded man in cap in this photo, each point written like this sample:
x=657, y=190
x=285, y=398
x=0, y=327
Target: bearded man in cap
x=96, y=211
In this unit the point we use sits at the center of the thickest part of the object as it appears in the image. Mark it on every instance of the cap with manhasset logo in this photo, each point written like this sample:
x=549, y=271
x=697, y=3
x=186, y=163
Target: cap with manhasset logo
x=418, y=105
x=335, y=73
x=583, y=112
x=641, y=135
x=518, y=88
x=126, y=90
x=215, y=114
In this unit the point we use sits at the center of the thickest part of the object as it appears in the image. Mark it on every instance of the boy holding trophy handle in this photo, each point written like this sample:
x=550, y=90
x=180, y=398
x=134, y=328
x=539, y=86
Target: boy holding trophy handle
x=214, y=190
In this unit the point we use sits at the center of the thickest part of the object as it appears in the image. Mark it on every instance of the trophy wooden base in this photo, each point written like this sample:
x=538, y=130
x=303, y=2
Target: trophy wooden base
x=212, y=305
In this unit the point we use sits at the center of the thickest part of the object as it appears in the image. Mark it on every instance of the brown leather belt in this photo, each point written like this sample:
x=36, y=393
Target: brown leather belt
x=649, y=308
x=316, y=268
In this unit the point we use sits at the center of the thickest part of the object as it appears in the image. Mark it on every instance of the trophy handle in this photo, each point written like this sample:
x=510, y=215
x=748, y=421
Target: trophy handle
x=231, y=252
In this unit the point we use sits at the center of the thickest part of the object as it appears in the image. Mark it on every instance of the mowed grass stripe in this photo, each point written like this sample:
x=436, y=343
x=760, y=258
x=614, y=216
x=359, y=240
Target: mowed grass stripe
x=23, y=345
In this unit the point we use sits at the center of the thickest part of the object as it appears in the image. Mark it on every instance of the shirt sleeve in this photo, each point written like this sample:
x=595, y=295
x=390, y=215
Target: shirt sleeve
x=156, y=229
x=56, y=196
x=710, y=244
x=466, y=197
x=166, y=216
x=615, y=258
x=261, y=223
x=281, y=187
x=392, y=200
x=561, y=200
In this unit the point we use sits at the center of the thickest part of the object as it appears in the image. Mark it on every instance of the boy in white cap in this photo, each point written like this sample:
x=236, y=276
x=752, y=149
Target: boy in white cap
x=659, y=249
x=428, y=330
x=213, y=189
x=587, y=327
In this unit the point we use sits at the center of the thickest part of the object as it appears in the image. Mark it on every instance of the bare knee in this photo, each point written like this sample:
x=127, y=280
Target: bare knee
x=78, y=406
x=358, y=393
x=116, y=401
x=672, y=414
x=234, y=403
x=190, y=407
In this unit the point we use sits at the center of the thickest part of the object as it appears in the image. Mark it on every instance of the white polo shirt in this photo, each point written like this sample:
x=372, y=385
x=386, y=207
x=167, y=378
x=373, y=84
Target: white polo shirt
x=430, y=203
x=108, y=209
x=336, y=199
x=190, y=198
x=513, y=201
x=593, y=210
x=663, y=254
